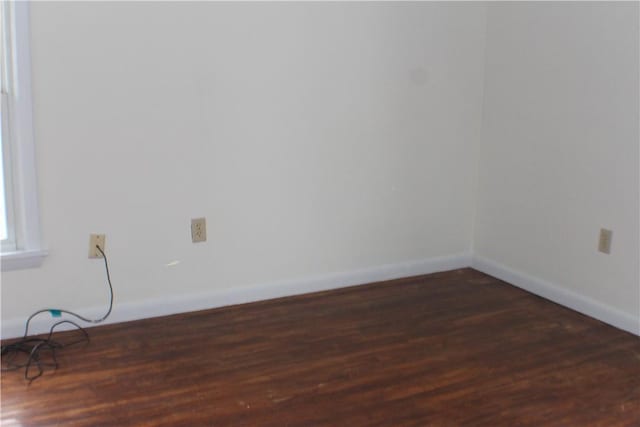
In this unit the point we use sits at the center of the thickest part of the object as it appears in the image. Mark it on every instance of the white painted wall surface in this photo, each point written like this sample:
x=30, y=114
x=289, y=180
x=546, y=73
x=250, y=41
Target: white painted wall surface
x=559, y=157
x=315, y=138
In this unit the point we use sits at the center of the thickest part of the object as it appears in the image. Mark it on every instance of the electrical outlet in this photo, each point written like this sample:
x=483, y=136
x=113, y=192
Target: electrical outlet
x=96, y=240
x=198, y=230
x=604, y=244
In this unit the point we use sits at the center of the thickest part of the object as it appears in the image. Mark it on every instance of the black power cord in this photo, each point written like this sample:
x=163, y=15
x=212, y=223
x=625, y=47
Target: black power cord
x=34, y=348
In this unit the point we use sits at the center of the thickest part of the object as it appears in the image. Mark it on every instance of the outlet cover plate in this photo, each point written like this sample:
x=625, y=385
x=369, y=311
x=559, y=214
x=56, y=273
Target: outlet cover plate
x=96, y=240
x=198, y=230
x=604, y=243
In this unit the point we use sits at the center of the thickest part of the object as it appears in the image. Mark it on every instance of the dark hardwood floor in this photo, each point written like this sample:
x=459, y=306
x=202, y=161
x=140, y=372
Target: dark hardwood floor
x=450, y=349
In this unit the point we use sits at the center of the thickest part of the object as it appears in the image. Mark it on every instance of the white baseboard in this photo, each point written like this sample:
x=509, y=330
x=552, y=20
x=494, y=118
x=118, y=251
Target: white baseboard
x=123, y=312
x=224, y=297
x=550, y=291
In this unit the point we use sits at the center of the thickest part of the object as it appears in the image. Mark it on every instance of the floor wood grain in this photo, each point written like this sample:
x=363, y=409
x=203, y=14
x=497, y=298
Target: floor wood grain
x=458, y=348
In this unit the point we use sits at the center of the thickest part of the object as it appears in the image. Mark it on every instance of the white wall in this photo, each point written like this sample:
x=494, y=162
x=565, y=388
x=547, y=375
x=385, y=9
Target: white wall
x=337, y=137
x=559, y=157
x=315, y=138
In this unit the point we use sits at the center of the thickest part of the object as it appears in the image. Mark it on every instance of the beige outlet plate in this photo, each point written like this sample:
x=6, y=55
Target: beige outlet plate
x=96, y=240
x=198, y=230
x=604, y=244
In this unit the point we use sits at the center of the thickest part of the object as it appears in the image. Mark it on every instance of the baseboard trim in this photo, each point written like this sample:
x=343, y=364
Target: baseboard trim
x=176, y=304
x=128, y=311
x=557, y=294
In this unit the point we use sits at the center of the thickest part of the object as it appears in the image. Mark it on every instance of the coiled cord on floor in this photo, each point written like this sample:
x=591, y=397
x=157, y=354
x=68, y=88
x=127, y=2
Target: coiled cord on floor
x=34, y=348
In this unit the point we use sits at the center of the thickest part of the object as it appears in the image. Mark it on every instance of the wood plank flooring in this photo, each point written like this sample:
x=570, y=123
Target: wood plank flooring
x=458, y=348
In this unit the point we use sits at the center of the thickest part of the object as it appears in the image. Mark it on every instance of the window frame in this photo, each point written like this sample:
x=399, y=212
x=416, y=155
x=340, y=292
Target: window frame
x=20, y=173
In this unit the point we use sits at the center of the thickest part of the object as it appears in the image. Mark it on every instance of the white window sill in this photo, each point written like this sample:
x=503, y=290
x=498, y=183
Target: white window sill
x=20, y=260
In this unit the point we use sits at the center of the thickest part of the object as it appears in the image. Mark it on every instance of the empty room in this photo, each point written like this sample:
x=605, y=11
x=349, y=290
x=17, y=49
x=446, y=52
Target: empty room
x=320, y=213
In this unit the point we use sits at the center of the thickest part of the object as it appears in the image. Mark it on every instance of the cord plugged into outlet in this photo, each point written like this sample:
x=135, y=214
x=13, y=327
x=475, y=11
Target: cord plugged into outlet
x=95, y=241
x=34, y=354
